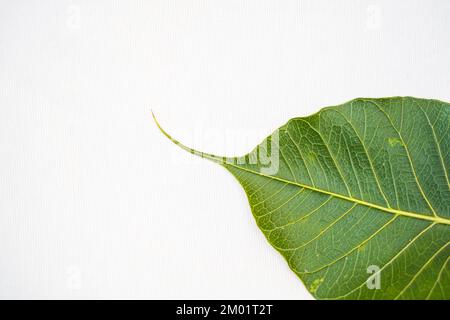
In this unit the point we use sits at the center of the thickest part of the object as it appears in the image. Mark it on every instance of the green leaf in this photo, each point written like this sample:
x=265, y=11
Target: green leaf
x=356, y=197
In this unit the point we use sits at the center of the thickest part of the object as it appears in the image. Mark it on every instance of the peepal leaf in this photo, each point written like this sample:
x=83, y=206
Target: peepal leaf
x=357, y=197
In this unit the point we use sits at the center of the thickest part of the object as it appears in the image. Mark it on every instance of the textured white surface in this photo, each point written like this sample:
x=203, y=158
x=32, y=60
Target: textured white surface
x=95, y=203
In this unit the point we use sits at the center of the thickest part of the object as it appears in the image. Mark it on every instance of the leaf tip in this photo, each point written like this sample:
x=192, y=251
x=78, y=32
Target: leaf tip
x=161, y=129
x=186, y=148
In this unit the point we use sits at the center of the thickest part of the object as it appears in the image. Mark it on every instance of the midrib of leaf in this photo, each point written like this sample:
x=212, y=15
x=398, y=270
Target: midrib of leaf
x=336, y=195
x=222, y=161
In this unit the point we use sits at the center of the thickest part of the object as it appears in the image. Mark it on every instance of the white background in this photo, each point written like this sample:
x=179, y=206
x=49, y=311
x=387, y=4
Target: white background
x=96, y=203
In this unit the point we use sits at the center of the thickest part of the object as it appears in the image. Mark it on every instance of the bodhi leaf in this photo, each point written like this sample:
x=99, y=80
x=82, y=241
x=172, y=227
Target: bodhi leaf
x=357, y=197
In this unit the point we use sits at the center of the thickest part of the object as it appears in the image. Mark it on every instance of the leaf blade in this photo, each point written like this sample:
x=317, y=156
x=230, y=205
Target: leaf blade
x=359, y=183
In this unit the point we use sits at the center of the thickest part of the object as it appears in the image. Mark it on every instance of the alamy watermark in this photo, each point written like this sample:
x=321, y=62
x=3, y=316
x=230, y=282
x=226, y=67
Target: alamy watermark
x=374, y=19
x=73, y=278
x=73, y=17
x=265, y=157
x=374, y=280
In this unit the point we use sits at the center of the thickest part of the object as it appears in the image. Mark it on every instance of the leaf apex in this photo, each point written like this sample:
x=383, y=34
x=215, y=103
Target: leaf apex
x=200, y=154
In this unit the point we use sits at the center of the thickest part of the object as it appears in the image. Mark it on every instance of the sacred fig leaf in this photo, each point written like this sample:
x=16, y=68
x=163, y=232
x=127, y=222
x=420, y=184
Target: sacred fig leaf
x=356, y=197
